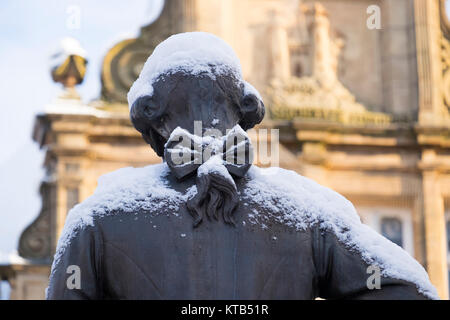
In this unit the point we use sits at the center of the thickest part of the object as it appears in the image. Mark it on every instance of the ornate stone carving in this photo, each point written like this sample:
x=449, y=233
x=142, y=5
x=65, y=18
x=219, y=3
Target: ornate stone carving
x=445, y=54
x=321, y=95
x=325, y=49
x=445, y=23
x=69, y=67
x=35, y=240
x=124, y=61
x=306, y=98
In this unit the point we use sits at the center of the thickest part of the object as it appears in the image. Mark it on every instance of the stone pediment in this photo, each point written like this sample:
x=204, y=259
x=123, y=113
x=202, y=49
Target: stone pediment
x=307, y=98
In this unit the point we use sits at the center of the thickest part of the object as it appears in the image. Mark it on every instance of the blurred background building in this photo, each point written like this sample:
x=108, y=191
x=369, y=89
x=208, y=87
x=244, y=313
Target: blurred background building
x=362, y=105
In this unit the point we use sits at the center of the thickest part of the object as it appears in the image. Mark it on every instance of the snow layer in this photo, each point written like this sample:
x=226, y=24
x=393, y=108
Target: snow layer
x=300, y=202
x=68, y=46
x=215, y=164
x=191, y=52
x=12, y=257
x=128, y=190
x=288, y=197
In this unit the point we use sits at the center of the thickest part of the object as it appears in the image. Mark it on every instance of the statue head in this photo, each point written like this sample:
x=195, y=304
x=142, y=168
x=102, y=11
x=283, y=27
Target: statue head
x=192, y=77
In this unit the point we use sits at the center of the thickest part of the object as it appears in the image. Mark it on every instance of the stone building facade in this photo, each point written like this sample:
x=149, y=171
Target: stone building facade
x=360, y=109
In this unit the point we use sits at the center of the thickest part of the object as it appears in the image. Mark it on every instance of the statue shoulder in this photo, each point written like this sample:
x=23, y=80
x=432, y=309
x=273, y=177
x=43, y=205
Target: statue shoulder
x=130, y=190
x=127, y=190
x=294, y=196
x=301, y=203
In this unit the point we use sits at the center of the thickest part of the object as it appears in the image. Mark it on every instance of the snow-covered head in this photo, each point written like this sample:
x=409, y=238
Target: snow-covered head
x=189, y=77
x=191, y=52
x=192, y=77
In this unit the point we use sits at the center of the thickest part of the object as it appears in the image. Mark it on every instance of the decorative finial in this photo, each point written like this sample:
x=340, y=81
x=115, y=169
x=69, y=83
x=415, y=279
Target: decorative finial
x=69, y=66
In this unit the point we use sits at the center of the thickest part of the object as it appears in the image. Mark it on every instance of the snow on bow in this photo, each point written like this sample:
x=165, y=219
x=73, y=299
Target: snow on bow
x=186, y=153
x=215, y=159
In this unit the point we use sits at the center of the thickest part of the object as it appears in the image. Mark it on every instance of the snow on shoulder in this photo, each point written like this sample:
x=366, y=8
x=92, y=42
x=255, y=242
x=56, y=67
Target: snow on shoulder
x=191, y=52
x=126, y=190
x=300, y=202
x=290, y=198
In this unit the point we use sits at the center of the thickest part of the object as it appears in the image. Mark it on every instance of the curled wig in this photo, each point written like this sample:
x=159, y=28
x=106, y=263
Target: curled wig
x=216, y=194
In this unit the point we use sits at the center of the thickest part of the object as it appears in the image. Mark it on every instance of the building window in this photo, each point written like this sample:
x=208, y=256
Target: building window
x=72, y=198
x=72, y=168
x=298, y=70
x=393, y=223
x=391, y=228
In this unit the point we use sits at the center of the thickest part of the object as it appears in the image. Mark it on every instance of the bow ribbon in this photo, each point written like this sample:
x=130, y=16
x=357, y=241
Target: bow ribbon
x=186, y=153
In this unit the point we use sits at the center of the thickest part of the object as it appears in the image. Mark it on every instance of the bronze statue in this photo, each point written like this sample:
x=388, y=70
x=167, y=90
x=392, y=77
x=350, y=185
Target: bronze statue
x=207, y=224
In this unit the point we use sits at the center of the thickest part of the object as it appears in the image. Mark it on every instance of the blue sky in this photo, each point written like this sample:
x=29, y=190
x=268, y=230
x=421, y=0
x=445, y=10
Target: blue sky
x=30, y=31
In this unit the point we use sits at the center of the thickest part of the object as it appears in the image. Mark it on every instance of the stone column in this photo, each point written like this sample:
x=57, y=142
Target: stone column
x=279, y=47
x=435, y=233
x=429, y=66
x=431, y=107
x=325, y=49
